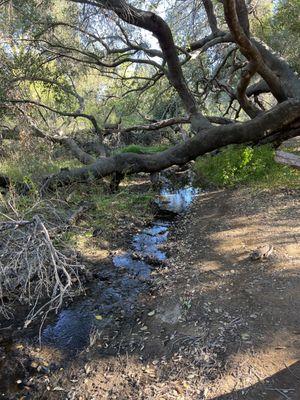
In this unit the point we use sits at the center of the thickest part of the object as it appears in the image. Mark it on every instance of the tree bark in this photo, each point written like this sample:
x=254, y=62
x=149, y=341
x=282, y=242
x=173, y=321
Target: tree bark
x=208, y=140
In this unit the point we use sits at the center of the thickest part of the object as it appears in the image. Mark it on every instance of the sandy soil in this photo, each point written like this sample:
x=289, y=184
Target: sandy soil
x=216, y=324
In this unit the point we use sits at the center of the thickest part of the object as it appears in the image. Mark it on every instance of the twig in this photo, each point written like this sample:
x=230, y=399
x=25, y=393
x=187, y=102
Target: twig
x=297, y=377
x=282, y=393
x=33, y=270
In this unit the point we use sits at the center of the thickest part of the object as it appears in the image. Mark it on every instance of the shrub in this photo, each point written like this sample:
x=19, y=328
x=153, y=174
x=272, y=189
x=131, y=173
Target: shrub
x=236, y=165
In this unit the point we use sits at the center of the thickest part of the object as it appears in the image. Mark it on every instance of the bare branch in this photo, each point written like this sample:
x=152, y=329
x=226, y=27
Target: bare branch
x=161, y=30
x=212, y=20
x=250, y=51
x=32, y=270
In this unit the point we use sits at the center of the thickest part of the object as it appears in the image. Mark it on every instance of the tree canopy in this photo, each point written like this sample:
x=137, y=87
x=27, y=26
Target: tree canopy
x=75, y=72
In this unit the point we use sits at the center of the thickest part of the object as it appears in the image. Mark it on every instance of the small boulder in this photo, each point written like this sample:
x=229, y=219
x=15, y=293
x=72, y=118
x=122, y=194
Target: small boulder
x=262, y=252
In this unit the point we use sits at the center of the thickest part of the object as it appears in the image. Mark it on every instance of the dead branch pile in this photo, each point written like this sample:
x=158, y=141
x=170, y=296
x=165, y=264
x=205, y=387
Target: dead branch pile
x=33, y=271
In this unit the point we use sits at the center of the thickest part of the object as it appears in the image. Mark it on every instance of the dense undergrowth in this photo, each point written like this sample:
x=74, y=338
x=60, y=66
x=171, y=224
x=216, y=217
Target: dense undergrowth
x=104, y=213
x=43, y=236
x=29, y=164
x=33, y=160
x=245, y=165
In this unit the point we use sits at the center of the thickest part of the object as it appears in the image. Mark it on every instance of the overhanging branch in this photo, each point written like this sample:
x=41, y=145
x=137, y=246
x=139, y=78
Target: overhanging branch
x=127, y=163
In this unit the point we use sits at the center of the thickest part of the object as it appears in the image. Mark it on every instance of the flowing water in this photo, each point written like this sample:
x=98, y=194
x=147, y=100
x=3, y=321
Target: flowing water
x=114, y=293
x=117, y=289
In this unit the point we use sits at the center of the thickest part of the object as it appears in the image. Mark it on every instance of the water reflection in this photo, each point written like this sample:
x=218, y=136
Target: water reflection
x=117, y=293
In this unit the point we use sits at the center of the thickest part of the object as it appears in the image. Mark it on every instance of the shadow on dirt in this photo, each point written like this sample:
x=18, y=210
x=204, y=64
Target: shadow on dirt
x=284, y=384
x=210, y=305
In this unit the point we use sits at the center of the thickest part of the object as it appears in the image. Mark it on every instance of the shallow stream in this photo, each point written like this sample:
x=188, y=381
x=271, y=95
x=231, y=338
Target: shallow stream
x=117, y=289
x=112, y=295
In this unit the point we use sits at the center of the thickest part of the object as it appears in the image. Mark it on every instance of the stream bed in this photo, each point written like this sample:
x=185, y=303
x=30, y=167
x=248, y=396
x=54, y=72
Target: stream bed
x=117, y=289
x=113, y=295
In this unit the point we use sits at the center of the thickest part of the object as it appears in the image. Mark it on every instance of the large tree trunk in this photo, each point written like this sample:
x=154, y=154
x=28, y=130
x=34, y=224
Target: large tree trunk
x=280, y=117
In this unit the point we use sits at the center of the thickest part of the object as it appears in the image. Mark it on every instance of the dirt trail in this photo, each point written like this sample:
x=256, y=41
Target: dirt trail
x=215, y=241
x=216, y=325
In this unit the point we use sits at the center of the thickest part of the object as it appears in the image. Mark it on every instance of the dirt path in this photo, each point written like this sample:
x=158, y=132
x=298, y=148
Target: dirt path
x=262, y=298
x=215, y=325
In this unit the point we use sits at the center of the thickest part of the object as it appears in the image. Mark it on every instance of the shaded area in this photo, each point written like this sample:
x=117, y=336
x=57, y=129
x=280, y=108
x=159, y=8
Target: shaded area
x=283, y=385
x=217, y=321
x=117, y=290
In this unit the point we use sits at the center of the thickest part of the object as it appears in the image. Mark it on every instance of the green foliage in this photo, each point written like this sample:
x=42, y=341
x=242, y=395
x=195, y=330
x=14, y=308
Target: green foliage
x=110, y=207
x=279, y=26
x=33, y=164
x=109, y=212
x=237, y=165
x=135, y=148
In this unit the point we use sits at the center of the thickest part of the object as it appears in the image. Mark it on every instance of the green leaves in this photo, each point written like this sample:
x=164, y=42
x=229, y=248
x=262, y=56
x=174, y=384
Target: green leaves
x=238, y=165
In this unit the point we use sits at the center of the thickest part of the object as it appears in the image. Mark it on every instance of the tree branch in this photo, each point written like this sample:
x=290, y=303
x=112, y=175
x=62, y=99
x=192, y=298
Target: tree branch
x=127, y=163
x=16, y=133
x=168, y=122
x=250, y=51
x=257, y=88
x=245, y=103
x=75, y=115
x=212, y=20
x=161, y=30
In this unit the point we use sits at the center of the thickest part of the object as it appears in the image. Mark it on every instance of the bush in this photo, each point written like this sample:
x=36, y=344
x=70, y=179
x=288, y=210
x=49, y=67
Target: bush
x=237, y=165
x=24, y=166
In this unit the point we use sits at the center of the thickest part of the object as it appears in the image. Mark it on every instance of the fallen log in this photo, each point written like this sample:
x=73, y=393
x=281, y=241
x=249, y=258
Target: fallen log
x=289, y=159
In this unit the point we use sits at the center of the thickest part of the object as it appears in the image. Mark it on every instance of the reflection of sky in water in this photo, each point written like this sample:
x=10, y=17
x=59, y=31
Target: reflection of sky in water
x=71, y=330
x=134, y=267
x=148, y=241
x=119, y=292
x=177, y=200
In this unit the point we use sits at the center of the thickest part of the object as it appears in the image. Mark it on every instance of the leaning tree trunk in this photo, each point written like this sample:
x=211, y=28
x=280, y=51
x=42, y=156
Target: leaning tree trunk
x=280, y=117
x=277, y=78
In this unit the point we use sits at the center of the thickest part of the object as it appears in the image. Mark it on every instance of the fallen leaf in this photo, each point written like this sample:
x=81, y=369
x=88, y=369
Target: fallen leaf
x=58, y=389
x=245, y=336
x=151, y=313
x=34, y=364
